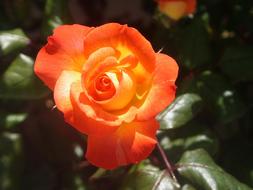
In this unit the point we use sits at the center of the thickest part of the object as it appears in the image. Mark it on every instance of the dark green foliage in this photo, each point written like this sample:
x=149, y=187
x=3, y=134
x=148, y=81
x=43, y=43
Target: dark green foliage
x=221, y=99
x=193, y=44
x=146, y=177
x=206, y=132
x=182, y=110
x=12, y=40
x=237, y=63
x=18, y=80
x=199, y=169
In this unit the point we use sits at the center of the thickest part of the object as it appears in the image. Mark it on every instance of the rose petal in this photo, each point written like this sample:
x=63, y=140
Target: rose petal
x=127, y=41
x=95, y=66
x=100, y=91
x=88, y=117
x=191, y=6
x=64, y=51
x=173, y=9
x=163, y=88
x=124, y=146
x=103, y=61
x=94, y=61
x=177, y=8
x=62, y=91
x=125, y=91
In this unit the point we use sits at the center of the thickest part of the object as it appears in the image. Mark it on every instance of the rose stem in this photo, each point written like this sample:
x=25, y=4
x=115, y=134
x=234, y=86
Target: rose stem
x=167, y=162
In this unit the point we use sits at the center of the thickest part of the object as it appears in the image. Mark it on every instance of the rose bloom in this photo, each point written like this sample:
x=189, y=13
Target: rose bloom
x=176, y=9
x=109, y=84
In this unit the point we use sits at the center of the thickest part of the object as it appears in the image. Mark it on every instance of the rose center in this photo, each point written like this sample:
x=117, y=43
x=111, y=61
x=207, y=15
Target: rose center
x=109, y=79
x=103, y=83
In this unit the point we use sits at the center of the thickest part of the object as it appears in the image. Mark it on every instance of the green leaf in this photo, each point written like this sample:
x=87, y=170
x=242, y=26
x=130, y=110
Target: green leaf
x=237, y=63
x=190, y=137
x=8, y=121
x=11, y=161
x=251, y=176
x=188, y=187
x=12, y=40
x=193, y=44
x=100, y=172
x=181, y=111
x=219, y=96
x=79, y=183
x=19, y=81
x=147, y=178
x=199, y=169
x=56, y=13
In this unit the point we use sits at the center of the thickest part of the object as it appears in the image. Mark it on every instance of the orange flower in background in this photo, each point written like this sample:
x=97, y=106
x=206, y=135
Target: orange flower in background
x=176, y=9
x=110, y=84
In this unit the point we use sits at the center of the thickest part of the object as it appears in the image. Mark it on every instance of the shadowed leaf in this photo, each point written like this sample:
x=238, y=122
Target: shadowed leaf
x=198, y=168
x=181, y=111
x=237, y=63
x=10, y=120
x=19, y=81
x=149, y=178
x=12, y=40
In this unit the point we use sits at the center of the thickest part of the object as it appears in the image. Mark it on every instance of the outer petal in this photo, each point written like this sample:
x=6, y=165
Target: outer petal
x=62, y=91
x=163, y=88
x=144, y=141
x=124, y=146
x=64, y=51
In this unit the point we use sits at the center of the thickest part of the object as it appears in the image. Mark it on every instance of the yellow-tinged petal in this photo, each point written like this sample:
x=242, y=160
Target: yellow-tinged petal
x=125, y=91
x=62, y=90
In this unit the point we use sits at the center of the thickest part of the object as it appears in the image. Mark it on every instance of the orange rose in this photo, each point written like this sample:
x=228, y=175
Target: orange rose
x=110, y=84
x=176, y=9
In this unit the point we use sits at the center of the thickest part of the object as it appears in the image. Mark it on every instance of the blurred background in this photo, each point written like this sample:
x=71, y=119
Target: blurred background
x=211, y=121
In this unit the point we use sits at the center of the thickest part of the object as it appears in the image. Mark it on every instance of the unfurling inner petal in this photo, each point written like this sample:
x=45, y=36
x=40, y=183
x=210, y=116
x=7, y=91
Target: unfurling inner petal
x=102, y=88
x=108, y=78
x=124, y=84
